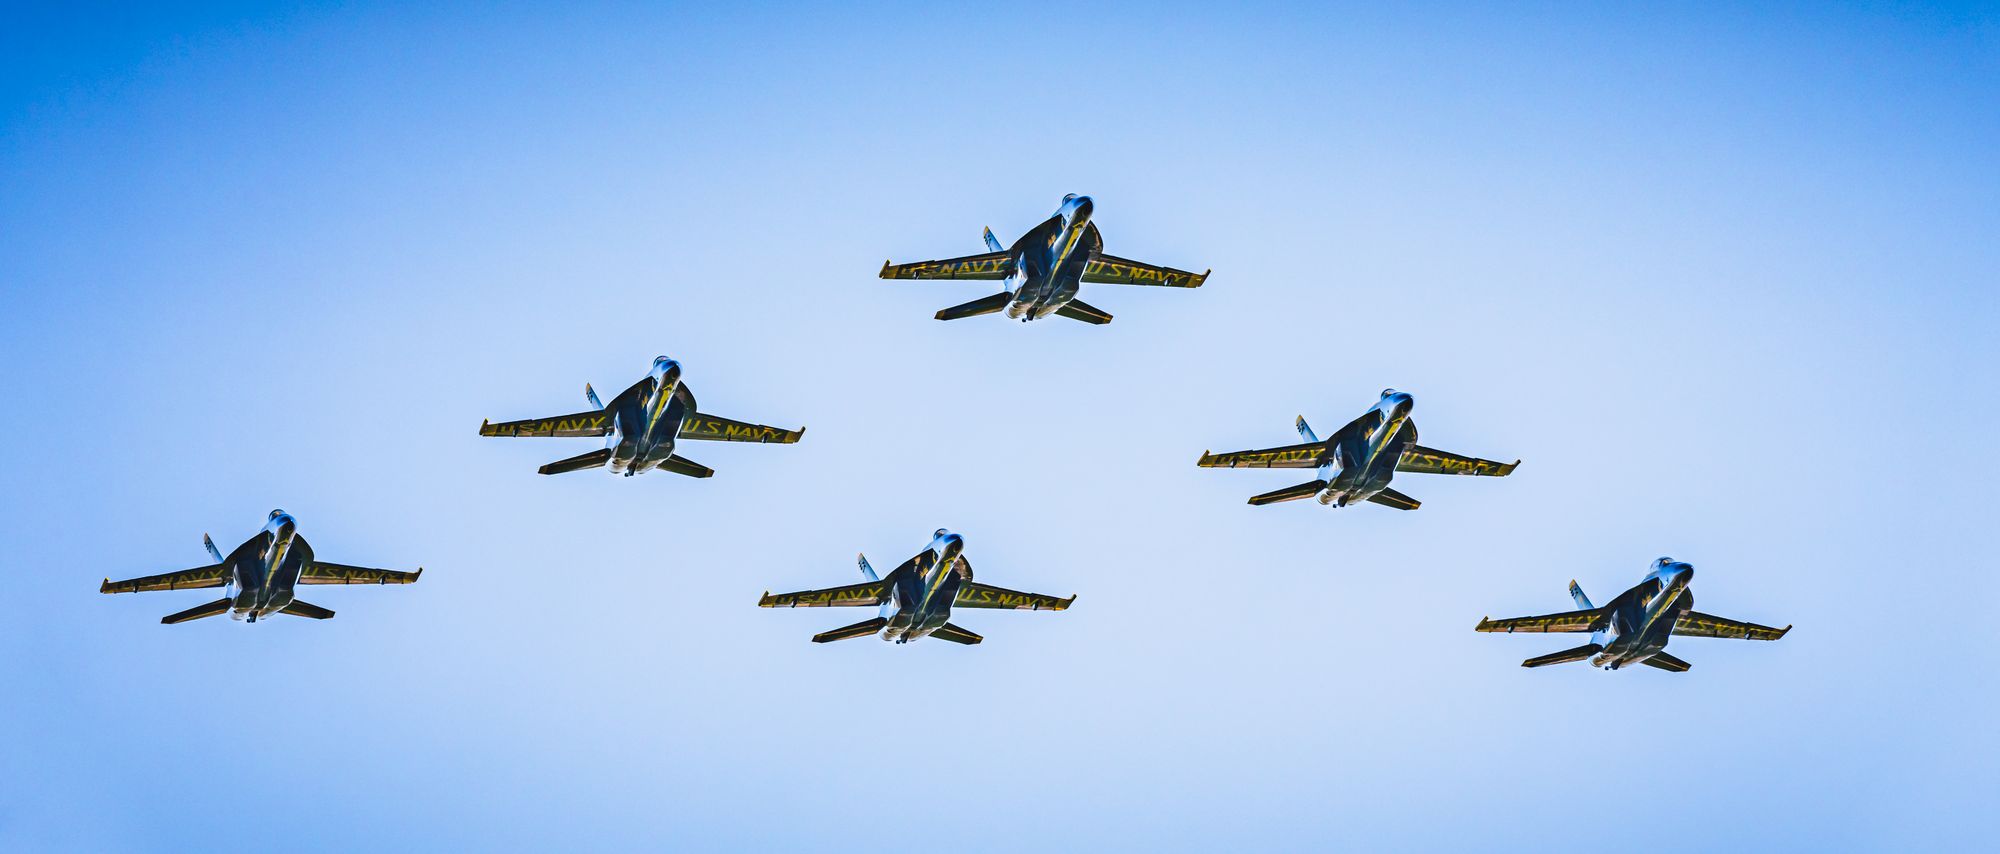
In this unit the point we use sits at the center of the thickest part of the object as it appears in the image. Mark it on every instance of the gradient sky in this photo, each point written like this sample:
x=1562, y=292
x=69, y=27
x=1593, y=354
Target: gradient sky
x=1724, y=280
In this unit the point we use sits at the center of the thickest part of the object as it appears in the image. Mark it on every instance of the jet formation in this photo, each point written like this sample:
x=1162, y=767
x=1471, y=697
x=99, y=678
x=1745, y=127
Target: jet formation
x=1359, y=460
x=1634, y=627
x=1042, y=272
x=641, y=427
x=260, y=576
x=916, y=598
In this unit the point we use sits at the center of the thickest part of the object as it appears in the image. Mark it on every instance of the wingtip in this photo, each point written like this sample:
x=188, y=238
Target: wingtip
x=416, y=575
x=885, y=269
x=106, y=588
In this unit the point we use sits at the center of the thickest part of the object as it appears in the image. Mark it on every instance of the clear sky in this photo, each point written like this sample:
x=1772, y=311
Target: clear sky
x=1724, y=279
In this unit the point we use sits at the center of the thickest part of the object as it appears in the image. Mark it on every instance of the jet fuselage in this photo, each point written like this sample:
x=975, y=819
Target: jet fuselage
x=1642, y=618
x=1363, y=462
x=263, y=571
x=645, y=419
x=1050, y=259
x=921, y=591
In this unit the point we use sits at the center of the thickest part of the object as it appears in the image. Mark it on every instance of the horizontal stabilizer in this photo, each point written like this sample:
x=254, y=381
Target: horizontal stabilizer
x=682, y=465
x=219, y=606
x=594, y=459
x=1392, y=498
x=858, y=630
x=956, y=635
x=1290, y=493
x=301, y=608
x=1077, y=309
x=1668, y=663
x=1565, y=657
x=975, y=308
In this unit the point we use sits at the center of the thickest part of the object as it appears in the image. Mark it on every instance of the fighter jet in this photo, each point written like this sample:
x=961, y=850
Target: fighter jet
x=1043, y=270
x=260, y=575
x=1634, y=628
x=641, y=425
x=1358, y=461
x=916, y=598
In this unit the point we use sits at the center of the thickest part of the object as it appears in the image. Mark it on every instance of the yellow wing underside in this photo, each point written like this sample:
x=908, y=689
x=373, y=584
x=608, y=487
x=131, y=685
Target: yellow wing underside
x=1567, y=621
x=335, y=573
x=1288, y=457
x=581, y=425
x=216, y=575
x=718, y=429
x=851, y=596
x=1112, y=270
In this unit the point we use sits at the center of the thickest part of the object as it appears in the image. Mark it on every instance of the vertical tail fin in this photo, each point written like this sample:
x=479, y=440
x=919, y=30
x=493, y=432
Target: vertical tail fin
x=1582, y=601
x=590, y=394
x=212, y=550
x=1306, y=430
x=991, y=243
x=867, y=571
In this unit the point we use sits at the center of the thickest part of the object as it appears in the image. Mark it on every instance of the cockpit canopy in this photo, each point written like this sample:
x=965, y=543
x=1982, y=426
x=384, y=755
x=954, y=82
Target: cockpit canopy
x=1388, y=392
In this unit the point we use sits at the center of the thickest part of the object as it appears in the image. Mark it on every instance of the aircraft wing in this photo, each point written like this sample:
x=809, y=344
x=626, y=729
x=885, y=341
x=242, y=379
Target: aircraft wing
x=1288, y=457
x=216, y=575
x=1112, y=270
x=1695, y=624
x=321, y=572
x=1417, y=458
x=716, y=428
x=975, y=595
x=851, y=596
x=596, y=422
x=1567, y=621
x=991, y=265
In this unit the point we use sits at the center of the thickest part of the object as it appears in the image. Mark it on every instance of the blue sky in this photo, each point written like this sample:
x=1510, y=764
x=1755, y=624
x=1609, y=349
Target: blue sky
x=1723, y=279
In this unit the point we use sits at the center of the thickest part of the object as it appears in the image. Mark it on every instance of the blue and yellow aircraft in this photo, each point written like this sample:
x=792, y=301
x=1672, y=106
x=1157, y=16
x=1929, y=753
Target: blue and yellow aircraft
x=916, y=598
x=1043, y=270
x=260, y=575
x=1357, y=462
x=1634, y=628
x=642, y=424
